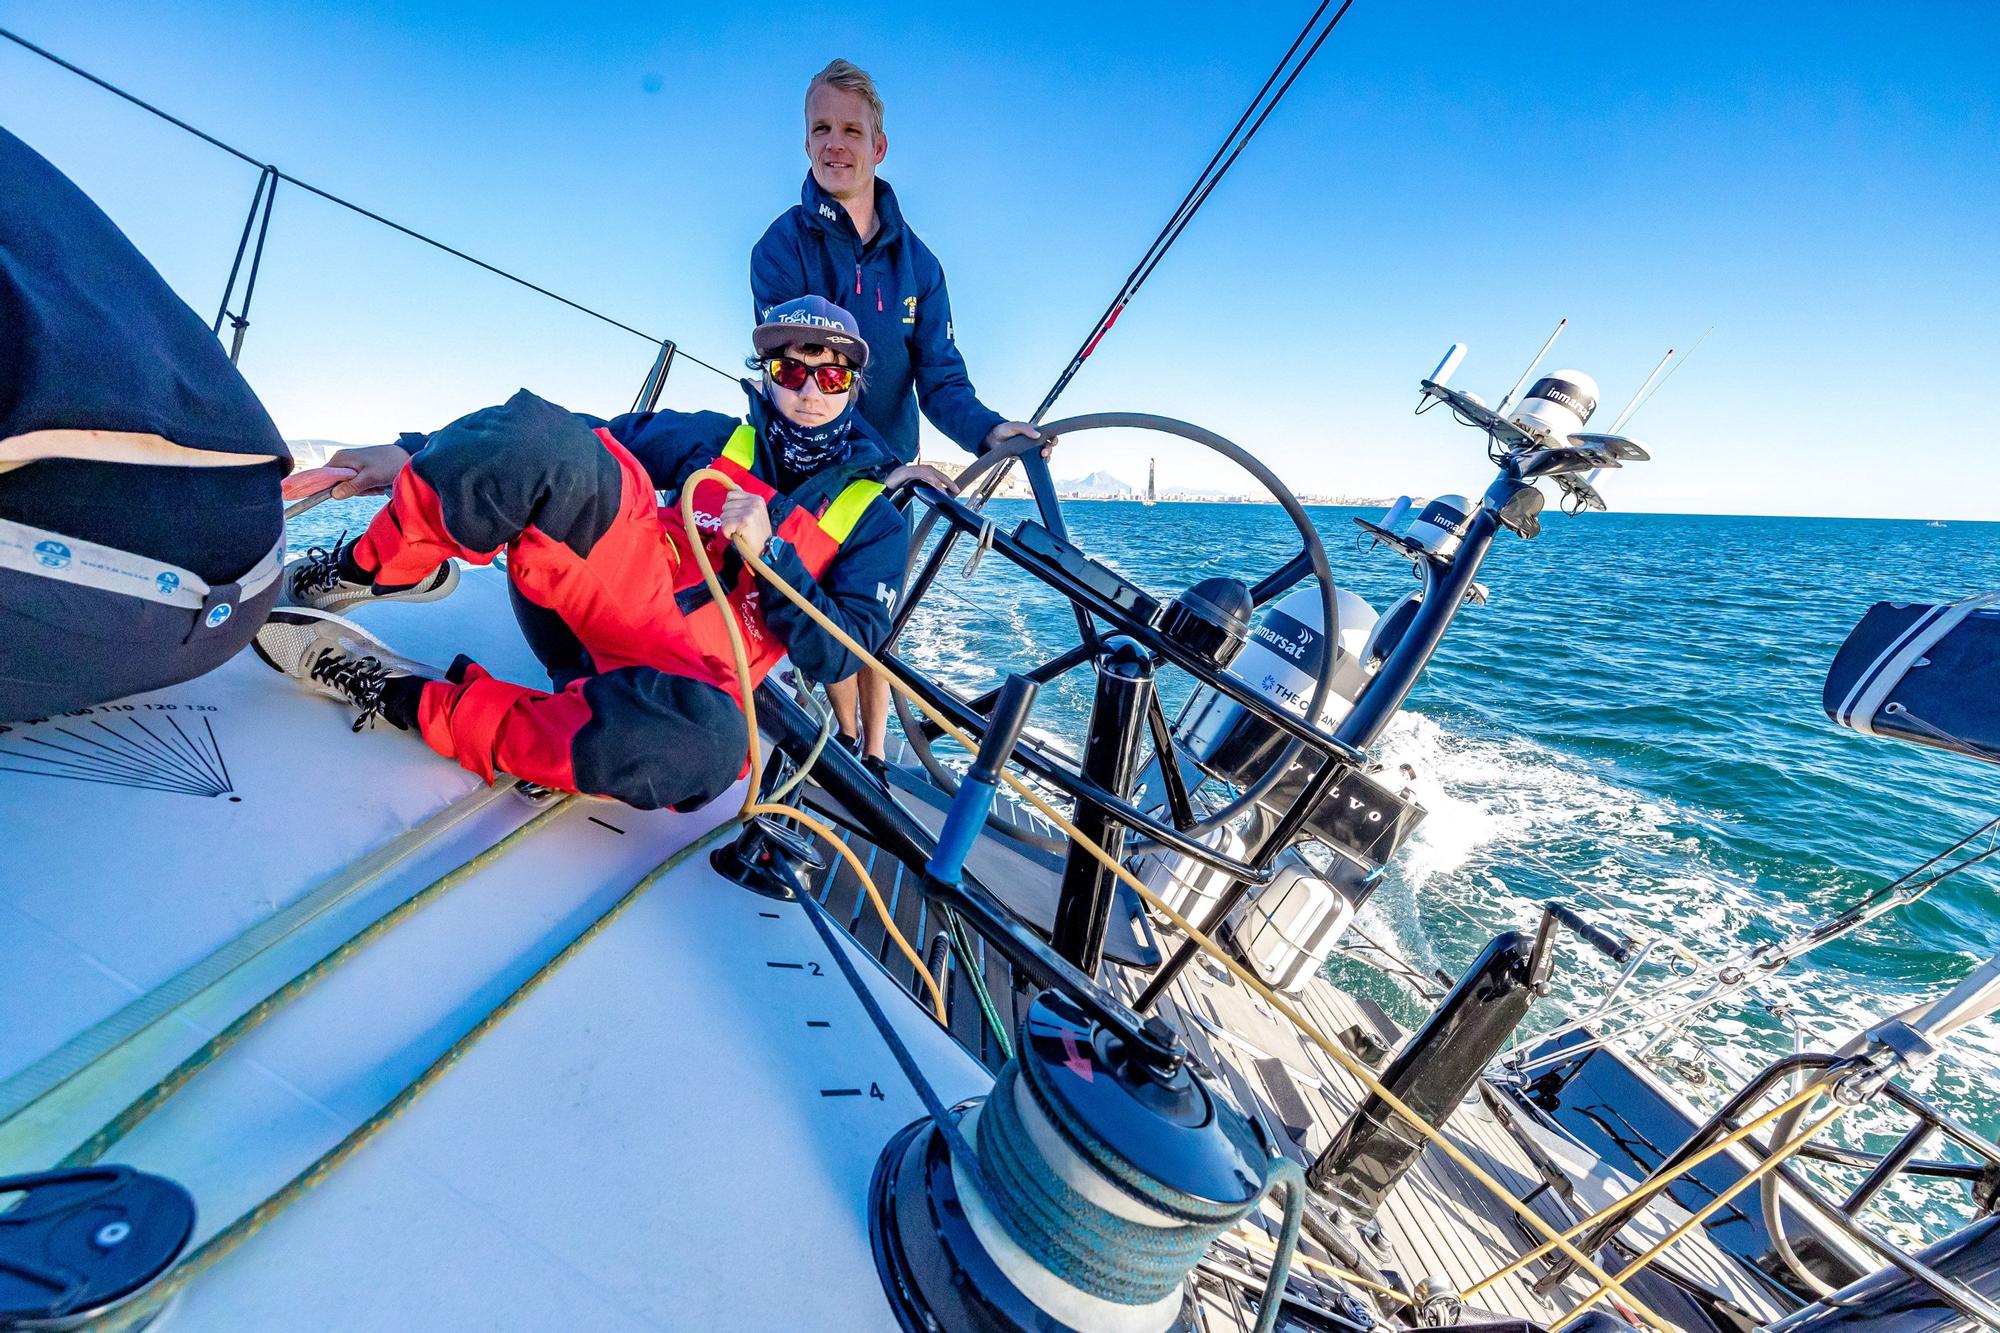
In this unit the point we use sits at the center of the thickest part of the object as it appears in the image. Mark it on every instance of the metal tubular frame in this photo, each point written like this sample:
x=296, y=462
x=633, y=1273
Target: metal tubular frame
x=893, y=830
x=656, y=378
x=261, y=202
x=1959, y=1297
x=1111, y=759
x=1039, y=762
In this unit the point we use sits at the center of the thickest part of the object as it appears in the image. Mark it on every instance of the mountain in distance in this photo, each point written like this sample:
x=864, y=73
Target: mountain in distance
x=1097, y=486
x=314, y=453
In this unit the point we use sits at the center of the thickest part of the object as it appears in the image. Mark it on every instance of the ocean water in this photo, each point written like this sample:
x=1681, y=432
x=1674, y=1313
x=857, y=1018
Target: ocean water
x=1632, y=723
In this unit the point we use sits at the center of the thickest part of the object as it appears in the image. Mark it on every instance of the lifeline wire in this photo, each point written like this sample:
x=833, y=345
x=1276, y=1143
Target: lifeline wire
x=351, y=206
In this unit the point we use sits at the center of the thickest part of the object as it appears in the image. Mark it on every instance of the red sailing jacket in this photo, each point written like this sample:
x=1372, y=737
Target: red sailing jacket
x=816, y=540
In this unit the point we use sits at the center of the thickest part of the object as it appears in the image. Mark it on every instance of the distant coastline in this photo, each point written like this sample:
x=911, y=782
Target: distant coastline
x=1105, y=486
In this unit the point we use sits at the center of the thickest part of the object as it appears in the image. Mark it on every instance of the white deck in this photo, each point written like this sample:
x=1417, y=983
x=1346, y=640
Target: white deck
x=659, y=1137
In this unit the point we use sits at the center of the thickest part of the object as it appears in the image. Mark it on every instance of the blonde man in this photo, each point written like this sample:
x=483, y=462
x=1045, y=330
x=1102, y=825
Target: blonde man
x=847, y=240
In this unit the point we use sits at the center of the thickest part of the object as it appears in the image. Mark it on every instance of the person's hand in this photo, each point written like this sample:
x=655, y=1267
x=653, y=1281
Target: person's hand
x=746, y=521
x=915, y=472
x=1007, y=430
x=372, y=468
x=312, y=481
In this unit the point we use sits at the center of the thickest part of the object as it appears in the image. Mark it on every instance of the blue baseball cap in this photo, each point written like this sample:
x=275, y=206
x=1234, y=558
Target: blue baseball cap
x=811, y=319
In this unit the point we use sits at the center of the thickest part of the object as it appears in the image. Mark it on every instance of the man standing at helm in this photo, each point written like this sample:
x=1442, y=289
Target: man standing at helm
x=846, y=240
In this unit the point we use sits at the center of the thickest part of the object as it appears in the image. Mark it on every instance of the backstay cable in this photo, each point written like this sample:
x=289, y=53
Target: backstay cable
x=332, y=198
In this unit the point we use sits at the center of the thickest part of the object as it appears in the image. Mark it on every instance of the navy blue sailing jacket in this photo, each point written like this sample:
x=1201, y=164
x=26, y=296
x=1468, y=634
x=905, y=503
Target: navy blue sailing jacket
x=895, y=286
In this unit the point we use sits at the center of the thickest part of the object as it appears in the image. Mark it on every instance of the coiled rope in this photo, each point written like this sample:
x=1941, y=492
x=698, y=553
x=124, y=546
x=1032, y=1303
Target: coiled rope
x=1087, y=1245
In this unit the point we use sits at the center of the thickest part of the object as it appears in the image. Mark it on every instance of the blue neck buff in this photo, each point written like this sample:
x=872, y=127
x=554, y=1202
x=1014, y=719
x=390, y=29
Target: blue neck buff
x=804, y=450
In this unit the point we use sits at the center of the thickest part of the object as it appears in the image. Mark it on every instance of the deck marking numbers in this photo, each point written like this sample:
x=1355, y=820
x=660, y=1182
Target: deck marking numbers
x=800, y=967
x=772, y=915
x=110, y=745
x=840, y=1092
x=818, y=1023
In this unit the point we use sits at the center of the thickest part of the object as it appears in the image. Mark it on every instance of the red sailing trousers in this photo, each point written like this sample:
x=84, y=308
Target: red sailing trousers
x=650, y=722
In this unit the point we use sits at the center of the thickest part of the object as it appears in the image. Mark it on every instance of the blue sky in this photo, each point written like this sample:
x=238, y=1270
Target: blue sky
x=1821, y=184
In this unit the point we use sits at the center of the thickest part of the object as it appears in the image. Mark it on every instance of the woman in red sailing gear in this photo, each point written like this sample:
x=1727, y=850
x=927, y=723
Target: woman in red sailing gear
x=643, y=704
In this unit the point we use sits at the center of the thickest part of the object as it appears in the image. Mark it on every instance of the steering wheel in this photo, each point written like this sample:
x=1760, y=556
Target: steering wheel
x=1147, y=829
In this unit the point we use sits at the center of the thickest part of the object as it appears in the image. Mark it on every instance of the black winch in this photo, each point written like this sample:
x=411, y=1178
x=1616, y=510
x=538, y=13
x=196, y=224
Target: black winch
x=77, y=1242
x=1100, y=1174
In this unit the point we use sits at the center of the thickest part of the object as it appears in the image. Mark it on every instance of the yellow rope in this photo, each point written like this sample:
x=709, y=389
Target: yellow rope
x=1258, y=1240
x=139, y=1311
x=1769, y=1164
x=1333, y=1052
x=751, y=807
x=1651, y=1185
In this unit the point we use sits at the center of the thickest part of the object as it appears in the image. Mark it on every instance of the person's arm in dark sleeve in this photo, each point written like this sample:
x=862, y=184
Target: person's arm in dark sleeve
x=777, y=269
x=944, y=389
x=858, y=593
x=671, y=446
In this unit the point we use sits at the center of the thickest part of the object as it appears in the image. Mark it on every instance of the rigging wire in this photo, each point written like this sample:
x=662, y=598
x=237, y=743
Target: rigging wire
x=1211, y=175
x=280, y=174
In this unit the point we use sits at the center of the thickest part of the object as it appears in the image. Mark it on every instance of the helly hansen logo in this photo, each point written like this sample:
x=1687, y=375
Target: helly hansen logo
x=885, y=595
x=826, y=211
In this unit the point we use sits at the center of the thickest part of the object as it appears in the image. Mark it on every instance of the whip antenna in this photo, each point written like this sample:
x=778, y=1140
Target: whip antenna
x=1671, y=373
x=1218, y=166
x=1640, y=396
x=1521, y=383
